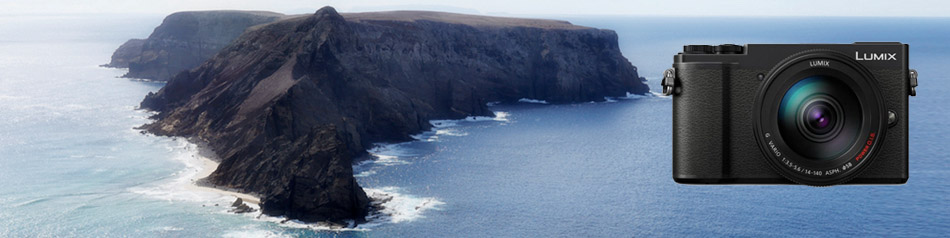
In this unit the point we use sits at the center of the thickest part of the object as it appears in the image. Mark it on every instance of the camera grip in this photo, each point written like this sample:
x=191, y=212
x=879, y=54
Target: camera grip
x=700, y=113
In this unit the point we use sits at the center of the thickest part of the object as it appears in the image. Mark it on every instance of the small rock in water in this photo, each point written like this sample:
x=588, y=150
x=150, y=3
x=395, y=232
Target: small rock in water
x=237, y=202
x=240, y=207
x=386, y=199
x=331, y=225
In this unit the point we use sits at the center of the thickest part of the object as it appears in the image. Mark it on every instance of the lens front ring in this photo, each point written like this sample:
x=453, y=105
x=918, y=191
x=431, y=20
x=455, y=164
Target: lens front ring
x=864, y=115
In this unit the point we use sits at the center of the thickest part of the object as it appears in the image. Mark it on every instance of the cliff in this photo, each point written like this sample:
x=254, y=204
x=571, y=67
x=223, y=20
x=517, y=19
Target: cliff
x=183, y=41
x=289, y=104
x=126, y=52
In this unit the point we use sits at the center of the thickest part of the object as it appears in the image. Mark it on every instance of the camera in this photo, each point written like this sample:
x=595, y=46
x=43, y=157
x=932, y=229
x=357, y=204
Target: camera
x=813, y=114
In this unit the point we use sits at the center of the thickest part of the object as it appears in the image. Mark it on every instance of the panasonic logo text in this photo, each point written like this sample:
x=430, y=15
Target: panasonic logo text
x=875, y=56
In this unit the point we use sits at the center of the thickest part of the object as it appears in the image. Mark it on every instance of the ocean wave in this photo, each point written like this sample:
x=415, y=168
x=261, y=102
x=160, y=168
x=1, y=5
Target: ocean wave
x=31, y=202
x=396, y=207
x=388, y=160
x=529, y=100
x=390, y=154
x=631, y=96
x=178, y=187
x=446, y=127
x=170, y=228
x=392, y=149
x=383, y=155
x=34, y=201
x=652, y=94
x=285, y=222
x=386, y=155
x=499, y=116
x=365, y=173
x=252, y=231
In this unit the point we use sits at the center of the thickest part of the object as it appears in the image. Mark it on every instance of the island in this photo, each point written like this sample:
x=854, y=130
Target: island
x=288, y=105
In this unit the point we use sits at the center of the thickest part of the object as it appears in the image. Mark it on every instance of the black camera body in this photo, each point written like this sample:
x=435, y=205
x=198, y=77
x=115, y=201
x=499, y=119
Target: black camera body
x=815, y=114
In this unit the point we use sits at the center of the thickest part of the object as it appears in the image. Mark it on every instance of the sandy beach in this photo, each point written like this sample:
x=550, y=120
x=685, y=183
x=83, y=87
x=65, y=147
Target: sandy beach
x=206, y=167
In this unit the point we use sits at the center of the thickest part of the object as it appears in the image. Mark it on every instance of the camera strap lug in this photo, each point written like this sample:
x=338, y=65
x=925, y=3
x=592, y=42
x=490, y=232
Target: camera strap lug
x=912, y=77
x=669, y=81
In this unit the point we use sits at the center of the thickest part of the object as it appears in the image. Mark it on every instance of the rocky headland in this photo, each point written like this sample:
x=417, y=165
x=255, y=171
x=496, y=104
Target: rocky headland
x=289, y=104
x=184, y=40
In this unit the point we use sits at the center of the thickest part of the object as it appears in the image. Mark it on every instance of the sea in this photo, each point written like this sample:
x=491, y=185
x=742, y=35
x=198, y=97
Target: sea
x=72, y=163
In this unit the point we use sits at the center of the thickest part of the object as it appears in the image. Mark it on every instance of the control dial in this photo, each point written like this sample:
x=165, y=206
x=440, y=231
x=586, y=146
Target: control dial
x=699, y=49
x=729, y=49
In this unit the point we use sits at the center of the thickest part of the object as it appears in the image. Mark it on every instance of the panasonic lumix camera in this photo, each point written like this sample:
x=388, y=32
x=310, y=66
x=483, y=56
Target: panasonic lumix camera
x=814, y=114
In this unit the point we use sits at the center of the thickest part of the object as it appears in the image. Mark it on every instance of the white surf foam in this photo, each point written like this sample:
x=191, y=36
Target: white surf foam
x=396, y=207
x=171, y=228
x=529, y=100
x=365, y=173
x=650, y=94
x=390, y=154
x=450, y=132
x=659, y=95
x=252, y=231
x=297, y=224
x=499, y=116
x=388, y=160
x=445, y=127
x=384, y=155
x=177, y=187
x=631, y=96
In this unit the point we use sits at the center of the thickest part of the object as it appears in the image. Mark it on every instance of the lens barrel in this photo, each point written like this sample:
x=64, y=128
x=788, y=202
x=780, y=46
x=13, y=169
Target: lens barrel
x=818, y=118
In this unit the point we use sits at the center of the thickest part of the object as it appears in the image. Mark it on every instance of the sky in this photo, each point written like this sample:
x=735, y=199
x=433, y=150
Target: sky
x=879, y=8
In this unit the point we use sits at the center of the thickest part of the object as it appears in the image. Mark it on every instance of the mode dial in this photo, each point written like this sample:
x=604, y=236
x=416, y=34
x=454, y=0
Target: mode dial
x=729, y=49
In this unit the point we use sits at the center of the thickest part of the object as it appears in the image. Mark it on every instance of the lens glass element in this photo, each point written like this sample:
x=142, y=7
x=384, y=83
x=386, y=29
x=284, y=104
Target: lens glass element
x=819, y=117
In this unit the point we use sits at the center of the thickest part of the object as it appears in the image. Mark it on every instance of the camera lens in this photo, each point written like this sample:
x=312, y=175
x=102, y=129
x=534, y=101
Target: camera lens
x=812, y=120
x=818, y=117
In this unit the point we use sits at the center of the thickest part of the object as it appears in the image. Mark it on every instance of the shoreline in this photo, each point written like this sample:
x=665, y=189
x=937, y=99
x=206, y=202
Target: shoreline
x=206, y=166
x=205, y=162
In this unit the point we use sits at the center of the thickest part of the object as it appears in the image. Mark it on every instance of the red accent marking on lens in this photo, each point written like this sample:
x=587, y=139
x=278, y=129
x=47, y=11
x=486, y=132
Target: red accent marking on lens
x=867, y=146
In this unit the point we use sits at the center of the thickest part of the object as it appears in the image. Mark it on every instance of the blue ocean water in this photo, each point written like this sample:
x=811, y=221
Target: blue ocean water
x=71, y=163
